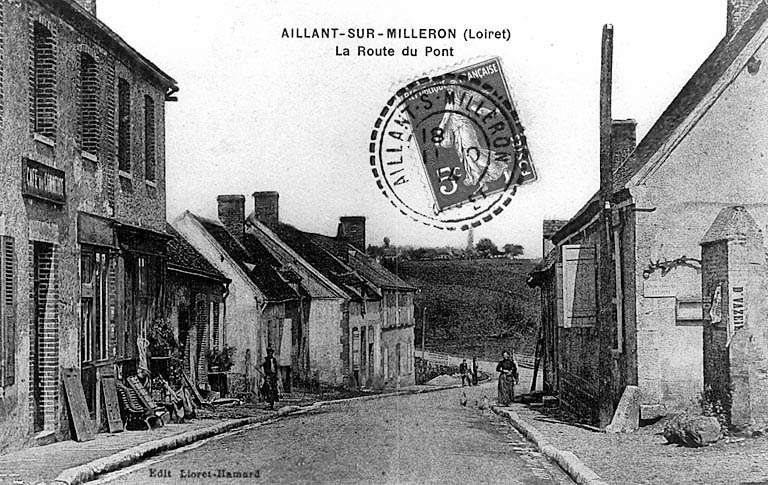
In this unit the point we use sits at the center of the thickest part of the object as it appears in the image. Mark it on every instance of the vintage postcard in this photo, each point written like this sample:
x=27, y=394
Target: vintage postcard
x=386, y=242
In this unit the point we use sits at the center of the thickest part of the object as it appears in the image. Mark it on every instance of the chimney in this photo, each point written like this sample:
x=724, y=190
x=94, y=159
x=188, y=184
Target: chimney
x=352, y=230
x=548, y=229
x=89, y=5
x=737, y=12
x=266, y=208
x=232, y=214
x=623, y=140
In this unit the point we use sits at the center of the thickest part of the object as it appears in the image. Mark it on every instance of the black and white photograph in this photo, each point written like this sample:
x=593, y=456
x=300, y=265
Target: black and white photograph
x=385, y=242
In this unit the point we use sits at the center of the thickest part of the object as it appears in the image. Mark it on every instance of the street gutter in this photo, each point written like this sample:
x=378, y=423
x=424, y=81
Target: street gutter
x=569, y=462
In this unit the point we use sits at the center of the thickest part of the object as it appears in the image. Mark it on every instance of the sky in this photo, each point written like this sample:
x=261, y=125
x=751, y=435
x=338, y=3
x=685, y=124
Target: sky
x=260, y=112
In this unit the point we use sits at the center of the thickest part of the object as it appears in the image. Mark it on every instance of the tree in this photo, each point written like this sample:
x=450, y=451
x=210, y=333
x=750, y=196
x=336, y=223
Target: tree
x=513, y=250
x=486, y=247
x=386, y=242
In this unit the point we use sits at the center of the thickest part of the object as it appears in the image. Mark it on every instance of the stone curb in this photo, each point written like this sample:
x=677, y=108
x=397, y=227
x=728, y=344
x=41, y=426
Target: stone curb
x=129, y=456
x=569, y=462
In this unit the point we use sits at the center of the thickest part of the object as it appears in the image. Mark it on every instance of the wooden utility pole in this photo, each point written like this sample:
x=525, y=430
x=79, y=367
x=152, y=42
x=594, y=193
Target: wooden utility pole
x=606, y=289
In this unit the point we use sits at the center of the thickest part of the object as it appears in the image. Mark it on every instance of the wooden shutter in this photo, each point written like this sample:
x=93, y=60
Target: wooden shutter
x=579, y=284
x=8, y=324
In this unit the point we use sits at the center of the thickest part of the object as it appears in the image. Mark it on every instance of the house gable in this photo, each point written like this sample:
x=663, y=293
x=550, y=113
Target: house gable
x=318, y=286
x=715, y=76
x=189, y=227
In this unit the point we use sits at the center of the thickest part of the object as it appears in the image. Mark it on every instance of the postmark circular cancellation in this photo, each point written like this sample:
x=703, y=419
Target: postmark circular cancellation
x=449, y=150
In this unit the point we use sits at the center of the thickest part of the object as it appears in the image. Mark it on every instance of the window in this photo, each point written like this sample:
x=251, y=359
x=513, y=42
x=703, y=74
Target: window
x=216, y=326
x=398, y=361
x=355, y=349
x=43, y=82
x=90, y=128
x=142, y=289
x=149, y=138
x=7, y=312
x=385, y=363
x=124, y=126
x=94, y=305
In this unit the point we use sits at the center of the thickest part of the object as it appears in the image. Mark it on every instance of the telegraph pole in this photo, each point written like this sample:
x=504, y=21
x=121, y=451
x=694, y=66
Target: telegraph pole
x=607, y=286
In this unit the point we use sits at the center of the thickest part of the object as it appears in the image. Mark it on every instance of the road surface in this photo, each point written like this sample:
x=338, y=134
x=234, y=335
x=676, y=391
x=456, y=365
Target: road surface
x=423, y=438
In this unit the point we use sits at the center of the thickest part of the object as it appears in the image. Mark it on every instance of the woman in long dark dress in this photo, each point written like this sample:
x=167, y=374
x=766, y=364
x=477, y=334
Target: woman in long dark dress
x=508, y=377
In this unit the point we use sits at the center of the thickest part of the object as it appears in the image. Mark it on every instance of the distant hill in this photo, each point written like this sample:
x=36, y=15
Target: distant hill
x=474, y=307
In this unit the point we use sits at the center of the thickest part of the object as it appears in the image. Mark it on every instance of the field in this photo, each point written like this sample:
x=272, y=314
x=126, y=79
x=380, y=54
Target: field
x=474, y=307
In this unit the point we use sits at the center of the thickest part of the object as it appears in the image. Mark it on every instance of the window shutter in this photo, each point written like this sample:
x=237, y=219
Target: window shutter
x=558, y=291
x=8, y=313
x=579, y=285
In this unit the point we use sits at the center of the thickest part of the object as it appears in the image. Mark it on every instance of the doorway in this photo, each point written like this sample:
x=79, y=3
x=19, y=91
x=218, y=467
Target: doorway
x=94, y=321
x=44, y=337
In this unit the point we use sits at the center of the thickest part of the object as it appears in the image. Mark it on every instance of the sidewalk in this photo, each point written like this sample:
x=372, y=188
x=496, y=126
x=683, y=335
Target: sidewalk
x=43, y=464
x=643, y=457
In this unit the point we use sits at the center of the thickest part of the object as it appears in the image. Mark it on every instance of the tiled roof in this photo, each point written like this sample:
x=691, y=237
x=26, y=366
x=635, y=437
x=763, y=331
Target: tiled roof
x=360, y=262
x=181, y=255
x=690, y=96
x=551, y=226
x=328, y=260
x=254, y=259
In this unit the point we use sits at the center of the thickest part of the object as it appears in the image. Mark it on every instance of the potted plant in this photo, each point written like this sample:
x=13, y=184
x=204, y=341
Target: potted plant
x=220, y=360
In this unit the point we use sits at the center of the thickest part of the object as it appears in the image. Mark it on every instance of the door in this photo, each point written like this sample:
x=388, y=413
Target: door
x=94, y=322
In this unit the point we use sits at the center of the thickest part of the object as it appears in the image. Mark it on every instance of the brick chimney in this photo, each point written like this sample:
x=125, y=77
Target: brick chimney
x=266, y=208
x=352, y=230
x=623, y=140
x=89, y=5
x=548, y=229
x=737, y=12
x=232, y=214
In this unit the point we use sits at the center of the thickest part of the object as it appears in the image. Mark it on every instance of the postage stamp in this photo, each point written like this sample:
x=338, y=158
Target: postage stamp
x=450, y=150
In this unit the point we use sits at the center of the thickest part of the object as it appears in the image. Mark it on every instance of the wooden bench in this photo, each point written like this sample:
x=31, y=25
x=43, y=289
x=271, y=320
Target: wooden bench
x=137, y=405
x=132, y=408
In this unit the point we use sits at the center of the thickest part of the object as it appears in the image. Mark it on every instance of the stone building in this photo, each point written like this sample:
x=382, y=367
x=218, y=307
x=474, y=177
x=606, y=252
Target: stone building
x=262, y=306
x=367, y=341
x=195, y=306
x=82, y=208
x=705, y=152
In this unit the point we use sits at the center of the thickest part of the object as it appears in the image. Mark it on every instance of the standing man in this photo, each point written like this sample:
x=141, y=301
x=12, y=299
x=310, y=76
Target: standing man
x=270, y=377
x=464, y=374
x=474, y=370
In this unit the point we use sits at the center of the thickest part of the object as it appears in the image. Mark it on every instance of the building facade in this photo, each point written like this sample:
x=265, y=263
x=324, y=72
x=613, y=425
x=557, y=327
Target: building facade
x=663, y=199
x=373, y=343
x=82, y=208
x=262, y=307
x=195, y=308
